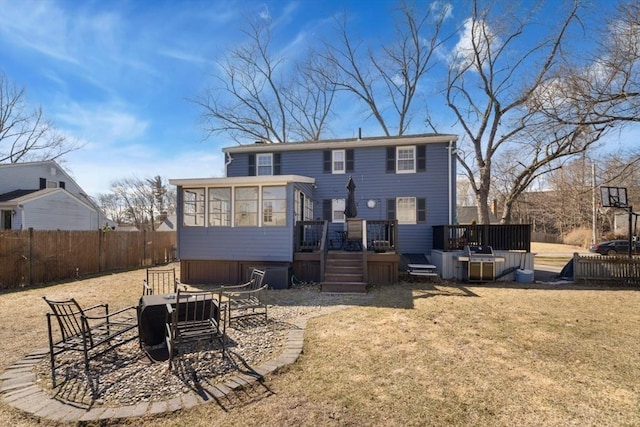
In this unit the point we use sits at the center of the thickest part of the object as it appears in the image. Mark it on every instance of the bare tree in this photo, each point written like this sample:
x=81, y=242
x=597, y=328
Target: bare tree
x=526, y=110
x=138, y=201
x=611, y=82
x=566, y=203
x=25, y=134
x=387, y=81
x=262, y=96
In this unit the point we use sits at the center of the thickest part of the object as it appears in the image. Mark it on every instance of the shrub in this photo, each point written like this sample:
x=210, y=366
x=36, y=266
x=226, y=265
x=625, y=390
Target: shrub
x=578, y=237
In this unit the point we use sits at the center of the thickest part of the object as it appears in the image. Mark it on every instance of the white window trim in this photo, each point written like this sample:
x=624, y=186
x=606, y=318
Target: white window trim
x=261, y=207
x=264, y=155
x=406, y=147
x=232, y=201
x=333, y=162
x=229, y=212
x=258, y=207
x=335, y=208
x=197, y=205
x=415, y=210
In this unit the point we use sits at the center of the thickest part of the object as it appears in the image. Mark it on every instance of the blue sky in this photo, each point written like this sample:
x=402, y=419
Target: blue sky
x=116, y=75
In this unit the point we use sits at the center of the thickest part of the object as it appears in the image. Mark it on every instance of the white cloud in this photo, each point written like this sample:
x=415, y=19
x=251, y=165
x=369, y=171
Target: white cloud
x=182, y=55
x=41, y=26
x=440, y=8
x=474, y=39
x=101, y=124
x=95, y=169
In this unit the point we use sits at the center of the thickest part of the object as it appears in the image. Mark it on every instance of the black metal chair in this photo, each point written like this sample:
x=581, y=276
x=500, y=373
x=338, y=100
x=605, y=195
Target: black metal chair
x=197, y=316
x=91, y=331
x=161, y=281
x=247, y=299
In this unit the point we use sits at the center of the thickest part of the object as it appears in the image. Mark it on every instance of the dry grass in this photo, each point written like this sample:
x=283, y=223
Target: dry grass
x=555, y=254
x=413, y=354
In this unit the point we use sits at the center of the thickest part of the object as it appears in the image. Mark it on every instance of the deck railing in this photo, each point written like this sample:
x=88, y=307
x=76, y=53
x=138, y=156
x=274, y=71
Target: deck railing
x=508, y=237
x=312, y=236
x=382, y=234
x=308, y=235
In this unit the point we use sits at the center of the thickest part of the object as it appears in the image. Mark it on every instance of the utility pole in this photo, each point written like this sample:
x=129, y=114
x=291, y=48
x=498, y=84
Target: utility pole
x=594, y=212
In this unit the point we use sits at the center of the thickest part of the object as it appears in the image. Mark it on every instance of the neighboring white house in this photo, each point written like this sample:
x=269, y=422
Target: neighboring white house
x=42, y=196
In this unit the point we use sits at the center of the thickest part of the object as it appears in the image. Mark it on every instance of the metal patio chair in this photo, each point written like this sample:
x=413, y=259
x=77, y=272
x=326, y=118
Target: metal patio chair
x=161, y=281
x=91, y=331
x=248, y=299
x=197, y=316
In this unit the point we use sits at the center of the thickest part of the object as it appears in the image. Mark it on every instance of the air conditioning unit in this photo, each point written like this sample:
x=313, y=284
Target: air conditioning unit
x=276, y=276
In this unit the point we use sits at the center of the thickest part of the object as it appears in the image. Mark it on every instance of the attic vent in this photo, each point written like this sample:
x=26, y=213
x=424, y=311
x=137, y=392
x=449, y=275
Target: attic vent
x=260, y=142
x=53, y=171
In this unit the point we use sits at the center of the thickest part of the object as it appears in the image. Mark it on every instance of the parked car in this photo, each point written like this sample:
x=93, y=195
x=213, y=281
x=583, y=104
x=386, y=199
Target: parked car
x=615, y=247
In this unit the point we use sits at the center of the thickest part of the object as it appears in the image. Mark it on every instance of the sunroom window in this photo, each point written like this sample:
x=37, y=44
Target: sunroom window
x=220, y=207
x=274, y=205
x=246, y=206
x=193, y=207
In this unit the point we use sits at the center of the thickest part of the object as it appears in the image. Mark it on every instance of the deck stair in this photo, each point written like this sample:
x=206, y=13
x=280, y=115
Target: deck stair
x=343, y=273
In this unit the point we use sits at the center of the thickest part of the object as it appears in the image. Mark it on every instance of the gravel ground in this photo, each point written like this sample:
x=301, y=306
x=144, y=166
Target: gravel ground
x=126, y=376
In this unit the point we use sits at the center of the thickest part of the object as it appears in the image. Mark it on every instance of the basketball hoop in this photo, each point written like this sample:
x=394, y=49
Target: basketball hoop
x=614, y=197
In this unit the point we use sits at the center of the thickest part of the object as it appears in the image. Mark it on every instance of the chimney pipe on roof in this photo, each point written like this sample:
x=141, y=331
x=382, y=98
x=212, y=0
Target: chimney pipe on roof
x=359, y=134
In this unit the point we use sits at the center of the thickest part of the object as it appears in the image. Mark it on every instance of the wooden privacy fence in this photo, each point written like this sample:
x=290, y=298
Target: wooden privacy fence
x=39, y=256
x=616, y=270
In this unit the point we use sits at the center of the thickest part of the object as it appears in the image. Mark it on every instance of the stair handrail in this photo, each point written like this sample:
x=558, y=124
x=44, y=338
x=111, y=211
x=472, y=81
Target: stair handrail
x=324, y=249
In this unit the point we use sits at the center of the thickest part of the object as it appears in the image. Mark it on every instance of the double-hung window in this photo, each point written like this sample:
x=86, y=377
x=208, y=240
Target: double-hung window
x=338, y=161
x=406, y=210
x=337, y=210
x=406, y=159
x=264, y=163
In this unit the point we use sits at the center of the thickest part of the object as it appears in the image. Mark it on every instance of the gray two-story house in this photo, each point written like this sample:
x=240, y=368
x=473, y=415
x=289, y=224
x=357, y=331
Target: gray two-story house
x=43, y=196
x=282, y=207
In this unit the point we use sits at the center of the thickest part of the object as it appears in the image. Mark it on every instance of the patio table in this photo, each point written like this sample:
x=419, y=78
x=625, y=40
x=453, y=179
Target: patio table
x=152, y=318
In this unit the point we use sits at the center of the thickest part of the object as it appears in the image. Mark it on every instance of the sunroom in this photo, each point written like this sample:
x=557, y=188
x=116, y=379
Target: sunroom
x=227, y=226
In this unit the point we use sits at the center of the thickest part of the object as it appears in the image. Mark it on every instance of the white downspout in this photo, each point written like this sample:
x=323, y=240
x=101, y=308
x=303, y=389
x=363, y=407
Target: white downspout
x=227, y=163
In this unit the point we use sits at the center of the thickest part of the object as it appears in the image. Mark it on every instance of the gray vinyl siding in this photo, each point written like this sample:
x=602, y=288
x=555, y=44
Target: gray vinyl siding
x=234, y=243
x=66, y=209
x=26, y=176
x=373, y=182
x=270, y=243
x=58, y=211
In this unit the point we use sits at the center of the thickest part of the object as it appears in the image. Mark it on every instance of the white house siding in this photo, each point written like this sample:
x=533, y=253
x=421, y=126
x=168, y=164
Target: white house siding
x=26, y=176
x=58, y=211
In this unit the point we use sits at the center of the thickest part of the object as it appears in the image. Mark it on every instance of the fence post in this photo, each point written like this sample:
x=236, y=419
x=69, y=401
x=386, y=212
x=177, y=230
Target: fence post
x=144, y=247
x=100, y=250
x=30, y=255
